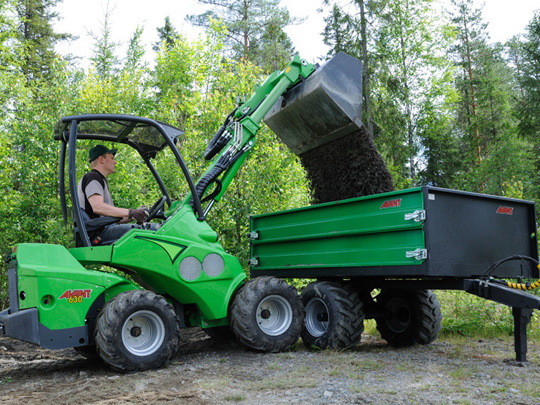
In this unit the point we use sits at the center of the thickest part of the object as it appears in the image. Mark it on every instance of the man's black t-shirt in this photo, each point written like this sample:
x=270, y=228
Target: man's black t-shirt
x=92, y=183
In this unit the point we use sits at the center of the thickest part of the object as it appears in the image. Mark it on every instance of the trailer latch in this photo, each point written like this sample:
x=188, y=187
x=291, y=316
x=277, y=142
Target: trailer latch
x=418, y=254
x=416, y=216
x=253, y=235
x=253, y=262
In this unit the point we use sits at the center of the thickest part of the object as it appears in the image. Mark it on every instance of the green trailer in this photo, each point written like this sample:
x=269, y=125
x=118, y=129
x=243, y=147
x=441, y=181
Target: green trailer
x=403, y=244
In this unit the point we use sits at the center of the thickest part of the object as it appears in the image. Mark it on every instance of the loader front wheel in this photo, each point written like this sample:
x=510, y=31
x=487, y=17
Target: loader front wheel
x=267, y=315
x=334, y=316
x=137, y=330
x=408, y=317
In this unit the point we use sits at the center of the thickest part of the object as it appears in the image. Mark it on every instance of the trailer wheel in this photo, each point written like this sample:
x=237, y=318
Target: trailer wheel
x=334, y=316
x=410, y=317
x=267, y=315
x=137, y=330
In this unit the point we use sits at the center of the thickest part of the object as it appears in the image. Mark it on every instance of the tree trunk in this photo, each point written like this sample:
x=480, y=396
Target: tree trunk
x=365, y=71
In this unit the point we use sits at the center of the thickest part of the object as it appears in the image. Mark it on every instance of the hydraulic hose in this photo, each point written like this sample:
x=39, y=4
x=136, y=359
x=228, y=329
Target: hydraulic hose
x=517, y=286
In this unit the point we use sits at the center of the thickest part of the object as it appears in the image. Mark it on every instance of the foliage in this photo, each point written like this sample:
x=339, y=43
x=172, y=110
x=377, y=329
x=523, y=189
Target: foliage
x=254, y=30
x=36, y=34
x=167, y=35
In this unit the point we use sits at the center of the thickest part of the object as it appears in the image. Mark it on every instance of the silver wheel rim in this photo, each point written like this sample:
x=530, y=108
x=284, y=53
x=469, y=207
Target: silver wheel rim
x=274, y=315
x=316, y=317
x=143, y=333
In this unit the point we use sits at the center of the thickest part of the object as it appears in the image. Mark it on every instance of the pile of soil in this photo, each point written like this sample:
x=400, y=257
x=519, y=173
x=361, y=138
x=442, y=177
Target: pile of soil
x=345, y=168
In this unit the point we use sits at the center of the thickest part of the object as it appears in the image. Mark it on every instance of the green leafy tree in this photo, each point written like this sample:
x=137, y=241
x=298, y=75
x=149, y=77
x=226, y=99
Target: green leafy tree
x=413, y=80
x=135, y=52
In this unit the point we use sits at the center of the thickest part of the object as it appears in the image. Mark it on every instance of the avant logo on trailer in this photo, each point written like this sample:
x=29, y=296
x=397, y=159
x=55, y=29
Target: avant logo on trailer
x=391, y=203
x=505, y=210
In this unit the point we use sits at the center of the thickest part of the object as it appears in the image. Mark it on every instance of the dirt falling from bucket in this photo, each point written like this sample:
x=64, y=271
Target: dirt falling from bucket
x=345, y=168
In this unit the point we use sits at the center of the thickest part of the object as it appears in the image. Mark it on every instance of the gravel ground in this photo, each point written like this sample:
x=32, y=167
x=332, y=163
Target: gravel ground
x=206, y=371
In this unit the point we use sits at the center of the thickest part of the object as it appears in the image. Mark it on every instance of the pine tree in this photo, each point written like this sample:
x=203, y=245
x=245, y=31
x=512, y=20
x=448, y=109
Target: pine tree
x=167, y=35
x=36, y=33
x=484, y=119
x=104, y=58
x=255, y=30
x=528, y=105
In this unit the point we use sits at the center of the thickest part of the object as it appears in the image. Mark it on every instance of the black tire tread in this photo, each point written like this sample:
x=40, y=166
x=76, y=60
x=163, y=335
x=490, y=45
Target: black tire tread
x=111, y=319
x=426, y=320
x=349, y=325
x=243, y=322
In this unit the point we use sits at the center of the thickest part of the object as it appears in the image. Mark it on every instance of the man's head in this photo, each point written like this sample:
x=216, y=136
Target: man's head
x=102, y=158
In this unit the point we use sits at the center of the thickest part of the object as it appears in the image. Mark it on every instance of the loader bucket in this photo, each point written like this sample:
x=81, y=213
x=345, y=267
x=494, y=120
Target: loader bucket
x=320, y=121
x=323, y=108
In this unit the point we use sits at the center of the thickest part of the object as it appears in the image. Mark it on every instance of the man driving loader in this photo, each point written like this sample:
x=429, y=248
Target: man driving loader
x=95, y=198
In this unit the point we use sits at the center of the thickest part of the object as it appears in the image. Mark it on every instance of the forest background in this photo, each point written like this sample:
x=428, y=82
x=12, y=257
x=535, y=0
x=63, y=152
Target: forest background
x=444, y=105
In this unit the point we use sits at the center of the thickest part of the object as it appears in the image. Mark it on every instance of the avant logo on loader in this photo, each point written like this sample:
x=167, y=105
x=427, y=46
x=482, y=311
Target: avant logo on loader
x=391, y=203
x=74, y=296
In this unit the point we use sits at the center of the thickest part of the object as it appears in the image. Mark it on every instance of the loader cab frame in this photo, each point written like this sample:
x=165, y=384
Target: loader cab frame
x=146, y=136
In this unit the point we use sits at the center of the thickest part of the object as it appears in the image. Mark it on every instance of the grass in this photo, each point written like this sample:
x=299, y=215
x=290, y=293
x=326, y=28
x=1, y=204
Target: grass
x=234, y=398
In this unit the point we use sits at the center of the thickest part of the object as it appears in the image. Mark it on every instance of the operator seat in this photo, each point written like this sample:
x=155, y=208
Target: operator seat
x=104, y=231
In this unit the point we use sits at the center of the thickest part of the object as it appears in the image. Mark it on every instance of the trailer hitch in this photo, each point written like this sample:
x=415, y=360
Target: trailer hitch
x=522, y=305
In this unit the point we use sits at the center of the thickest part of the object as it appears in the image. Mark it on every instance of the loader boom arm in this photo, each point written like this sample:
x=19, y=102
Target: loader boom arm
x=236, y=137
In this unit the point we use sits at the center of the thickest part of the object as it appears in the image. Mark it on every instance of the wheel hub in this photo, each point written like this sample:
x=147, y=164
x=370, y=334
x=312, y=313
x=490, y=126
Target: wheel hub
x=316, y=319
x=274, y=315
x=135, y=331
x=143, y=333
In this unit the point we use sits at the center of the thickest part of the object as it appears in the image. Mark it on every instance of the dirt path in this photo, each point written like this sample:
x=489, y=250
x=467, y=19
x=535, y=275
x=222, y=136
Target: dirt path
x=207, y=371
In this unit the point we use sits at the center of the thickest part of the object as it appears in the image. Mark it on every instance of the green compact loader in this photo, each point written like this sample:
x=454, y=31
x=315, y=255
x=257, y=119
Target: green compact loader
x=183, y=276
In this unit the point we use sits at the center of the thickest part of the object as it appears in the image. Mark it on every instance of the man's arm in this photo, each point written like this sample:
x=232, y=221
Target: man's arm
x=100, y=208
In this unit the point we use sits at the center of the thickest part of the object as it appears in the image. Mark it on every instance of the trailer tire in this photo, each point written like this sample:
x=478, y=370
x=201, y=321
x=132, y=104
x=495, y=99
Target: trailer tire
x=267, y=315
x=334, y=316
x=412, y=317
x=137, y=330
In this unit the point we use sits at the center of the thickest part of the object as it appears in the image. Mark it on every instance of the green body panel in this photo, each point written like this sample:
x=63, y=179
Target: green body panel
x=92, y=255
x=53, y=281
x=155, y=257
x=365, y=231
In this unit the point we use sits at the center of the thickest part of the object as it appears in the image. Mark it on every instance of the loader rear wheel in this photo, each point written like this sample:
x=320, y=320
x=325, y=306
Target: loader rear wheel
x=267, y=315
x=334, y=316
x=410, y=317
x=137, y=330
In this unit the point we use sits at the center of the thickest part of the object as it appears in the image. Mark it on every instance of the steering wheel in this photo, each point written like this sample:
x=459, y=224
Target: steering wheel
x=156, y=209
